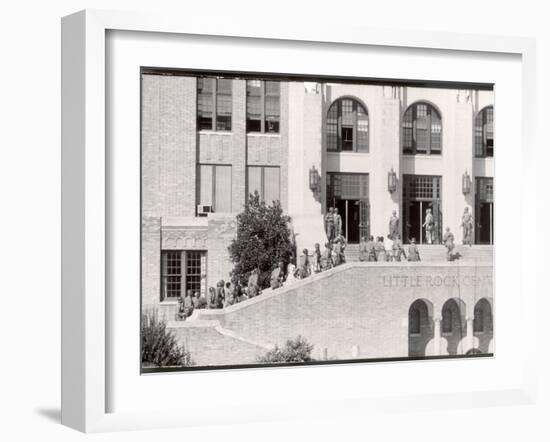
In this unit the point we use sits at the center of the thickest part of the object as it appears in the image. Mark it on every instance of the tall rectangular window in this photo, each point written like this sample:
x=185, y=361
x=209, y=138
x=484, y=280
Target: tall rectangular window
x=215, y=187
x=263, y=106
x=182, y=271
x=214, y=103
x=265, y=180
x=205, y=103
x=172, y=271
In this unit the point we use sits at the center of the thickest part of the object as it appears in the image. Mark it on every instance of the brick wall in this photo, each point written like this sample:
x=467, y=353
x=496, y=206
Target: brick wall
x=150, y=261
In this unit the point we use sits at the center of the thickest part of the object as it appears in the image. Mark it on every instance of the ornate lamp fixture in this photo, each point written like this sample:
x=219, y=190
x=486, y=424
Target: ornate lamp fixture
x=392, y=181
x=314, y=180
x=466, y=183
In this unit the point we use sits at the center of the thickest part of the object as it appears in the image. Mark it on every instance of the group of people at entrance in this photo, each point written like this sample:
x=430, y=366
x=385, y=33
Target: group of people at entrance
x=232, y=292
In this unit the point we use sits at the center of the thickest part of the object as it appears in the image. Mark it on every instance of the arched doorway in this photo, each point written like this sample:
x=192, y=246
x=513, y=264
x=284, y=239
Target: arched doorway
x=483, y=324
x=453, y=326
x=420, y=327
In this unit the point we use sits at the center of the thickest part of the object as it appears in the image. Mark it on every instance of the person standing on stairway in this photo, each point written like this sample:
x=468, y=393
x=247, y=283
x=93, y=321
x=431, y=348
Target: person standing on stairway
x=467, y=227
x=329, y=224
x=397, y=249
x=414, y=255
x=429, y=226
x=393, y=226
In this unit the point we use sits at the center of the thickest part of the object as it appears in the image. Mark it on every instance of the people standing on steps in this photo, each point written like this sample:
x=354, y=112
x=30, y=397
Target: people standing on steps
x=414, y=255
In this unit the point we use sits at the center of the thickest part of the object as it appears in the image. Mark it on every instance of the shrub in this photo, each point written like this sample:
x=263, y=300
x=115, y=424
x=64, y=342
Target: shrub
x=158, y=345
x=263, y=238
x=297, y=350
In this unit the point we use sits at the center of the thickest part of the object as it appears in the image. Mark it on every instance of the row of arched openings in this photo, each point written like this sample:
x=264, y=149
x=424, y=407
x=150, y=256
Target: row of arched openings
x=453, y=327
x=347, y=129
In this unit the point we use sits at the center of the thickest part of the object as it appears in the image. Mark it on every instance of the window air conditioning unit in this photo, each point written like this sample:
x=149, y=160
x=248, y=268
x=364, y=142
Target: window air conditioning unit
x=203, y=210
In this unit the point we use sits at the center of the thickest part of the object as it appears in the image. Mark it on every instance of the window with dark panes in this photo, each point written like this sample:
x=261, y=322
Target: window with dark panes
x=182, y=271
x=193, y=271
x=254, y=106
x=272, y=106
x=263, y=106
x=205, y=103
x=422, y=129
x=483, y=133
x=223, y=104
x=214, y=187
x=347, y=126
x=172, y=272
x=214, y=103
x=264, y=180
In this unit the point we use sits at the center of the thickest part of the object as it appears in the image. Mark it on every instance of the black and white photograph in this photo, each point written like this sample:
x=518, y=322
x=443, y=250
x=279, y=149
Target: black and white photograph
x=295, y=220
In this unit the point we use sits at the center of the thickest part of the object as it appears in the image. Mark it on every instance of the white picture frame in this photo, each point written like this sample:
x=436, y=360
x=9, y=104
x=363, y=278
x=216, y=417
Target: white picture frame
x=86, y=202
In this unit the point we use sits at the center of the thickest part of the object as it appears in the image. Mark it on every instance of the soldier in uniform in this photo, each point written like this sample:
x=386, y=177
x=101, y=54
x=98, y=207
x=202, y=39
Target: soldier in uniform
x=180, y=313
x=467, y=227
x=413, y=251
x=326, y=257
x=397, y=248
x=278, y=276
x=449, y=241
x=305, y=264
x=329, y=224
x=380, y=250
x=363, y=255
x=371, y=252
x=394, y=226
x=337, y=223
x=317, y=258
x=429, y=226
x=253, y=287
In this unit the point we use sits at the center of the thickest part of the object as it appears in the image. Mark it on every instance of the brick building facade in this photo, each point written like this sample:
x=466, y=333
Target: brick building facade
x=208, y=140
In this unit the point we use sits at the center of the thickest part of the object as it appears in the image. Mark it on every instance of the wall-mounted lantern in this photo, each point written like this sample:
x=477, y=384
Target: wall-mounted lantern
x=466, y=183
x=314, y=179
x=392, y=181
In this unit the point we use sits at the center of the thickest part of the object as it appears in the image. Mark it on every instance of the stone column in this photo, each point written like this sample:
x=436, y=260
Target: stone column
x=305, y=149
x=457, y=159
x=437, y=336
x=469, y=334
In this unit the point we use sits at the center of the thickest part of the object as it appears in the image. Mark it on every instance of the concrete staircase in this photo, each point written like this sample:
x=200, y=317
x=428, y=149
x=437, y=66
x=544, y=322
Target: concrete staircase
x=437, y=253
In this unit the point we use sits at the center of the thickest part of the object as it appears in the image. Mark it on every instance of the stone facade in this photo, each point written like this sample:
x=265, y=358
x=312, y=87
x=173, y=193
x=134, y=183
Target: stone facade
x=173, y=148
x=358, y=310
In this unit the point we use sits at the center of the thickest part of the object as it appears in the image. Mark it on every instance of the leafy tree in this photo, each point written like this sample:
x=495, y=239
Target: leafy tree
x=158, y=345
x=263, y=238
x=297, y=350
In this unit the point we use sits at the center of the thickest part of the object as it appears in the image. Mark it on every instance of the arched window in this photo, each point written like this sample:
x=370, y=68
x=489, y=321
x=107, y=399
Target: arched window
x=422, y=130
x=347, y=126
x=483, y=317
x=483, y=133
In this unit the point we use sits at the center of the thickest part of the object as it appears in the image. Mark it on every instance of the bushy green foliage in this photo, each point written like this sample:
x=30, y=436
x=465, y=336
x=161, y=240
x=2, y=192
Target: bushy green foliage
x=297, y=350
x=158, y=346
x=263, y=238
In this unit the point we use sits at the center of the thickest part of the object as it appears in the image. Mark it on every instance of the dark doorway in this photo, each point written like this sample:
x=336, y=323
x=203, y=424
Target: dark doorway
x=350, y=211
x=349, y=194
x=414, y=221
x=421, y=192
x=484, y=211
